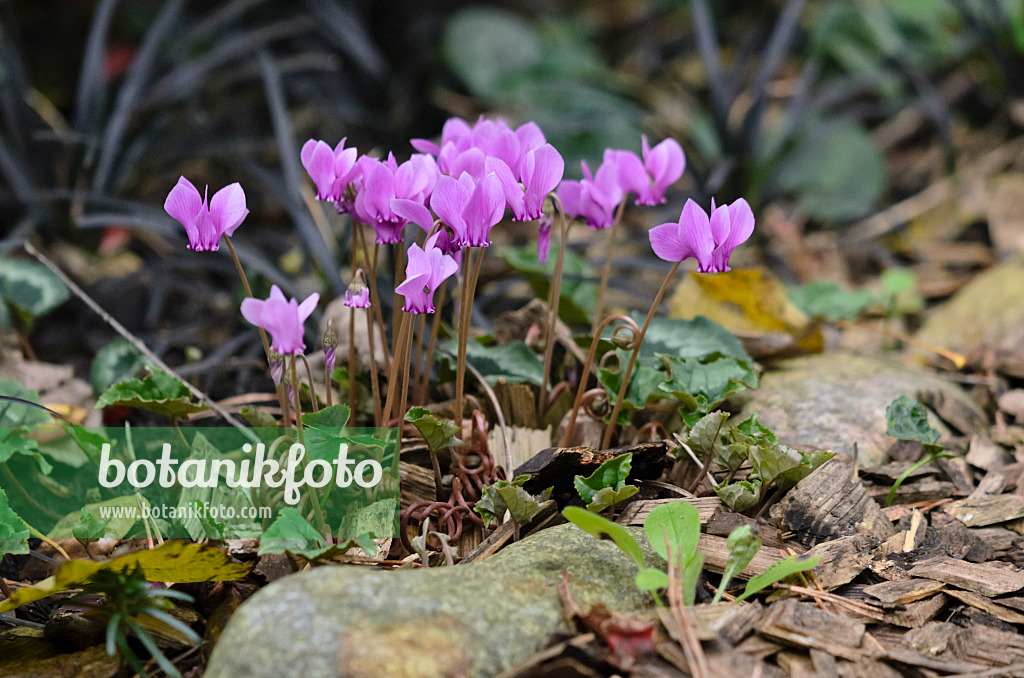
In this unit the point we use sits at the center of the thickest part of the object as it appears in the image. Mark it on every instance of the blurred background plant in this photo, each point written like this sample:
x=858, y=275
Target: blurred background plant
x=825, y=111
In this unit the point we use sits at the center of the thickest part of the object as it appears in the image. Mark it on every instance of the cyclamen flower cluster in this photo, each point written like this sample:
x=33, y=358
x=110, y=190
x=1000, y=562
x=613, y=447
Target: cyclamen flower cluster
x=597, y=196
x=467, y=180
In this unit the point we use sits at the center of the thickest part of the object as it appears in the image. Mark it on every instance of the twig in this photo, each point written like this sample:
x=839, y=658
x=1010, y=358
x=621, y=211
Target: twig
x=132, y=339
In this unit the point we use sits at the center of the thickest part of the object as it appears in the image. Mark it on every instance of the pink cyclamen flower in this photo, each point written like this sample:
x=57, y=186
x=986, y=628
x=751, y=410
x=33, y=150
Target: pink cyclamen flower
x=283, y=318
x=386, y=181
x=331, y=171
x=205, y=225
x=665, y=163
x=709, y=240
x=596, y=197
x=426, y=269
x=470, y=208
x=542, y=169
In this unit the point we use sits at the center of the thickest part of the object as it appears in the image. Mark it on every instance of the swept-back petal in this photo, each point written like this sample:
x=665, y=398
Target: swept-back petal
x=185, y=205
x=319, y=164
x=417, y=262
x=412, y=211
x=509, y=186
x=720, y=224
x=632, y=176
x=484, y=209
x=569, y=194
x=665, y=163
x=668, y=244
x=530, y=136
x=448, y=200
x=695, y=231
x=546, y=169
x=308, y=305
x=227, y=209
x=425, y=146
x=252, y=310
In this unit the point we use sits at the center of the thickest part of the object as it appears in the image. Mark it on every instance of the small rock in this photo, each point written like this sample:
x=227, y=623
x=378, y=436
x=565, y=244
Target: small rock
x=474, y=620
x=837, y=400
x=1012, y=402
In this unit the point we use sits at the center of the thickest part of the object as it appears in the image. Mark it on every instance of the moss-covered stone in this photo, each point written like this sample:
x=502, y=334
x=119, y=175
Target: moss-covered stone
x=473, y=620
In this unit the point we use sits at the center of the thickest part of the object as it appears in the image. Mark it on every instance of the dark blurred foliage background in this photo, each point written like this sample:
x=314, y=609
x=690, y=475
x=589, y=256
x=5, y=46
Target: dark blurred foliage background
x=825, y=111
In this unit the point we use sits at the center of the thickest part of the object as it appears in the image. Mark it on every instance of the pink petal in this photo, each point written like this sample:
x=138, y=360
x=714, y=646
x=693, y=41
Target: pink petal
x=425, y=146
x=417, y=262
x=720, y=223
x=509, y=186
x=484, y=209
x=186, y=205
x=695, y=231
x=447, y=201
x=570, y=194
x=307, y=307
x=667, y=243
x=632, y=176
x=227, y=208
x=530, y=136
x=319, y=164
x=412, y=211
x=665, y=163
x=546, y=171
x=454, y=129
x=252, y=309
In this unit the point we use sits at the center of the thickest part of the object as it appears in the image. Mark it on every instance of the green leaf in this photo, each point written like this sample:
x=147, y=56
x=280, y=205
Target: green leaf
x=89, y=527
x=907, y=419
x=778, y=572
x=826, y=300
x=292, y=533
x=114, y=363
x=13, y=531
x=741, y=495
x=577, y=297
x=611, y=474
x=602, y=528
x=335, y=416
x=486, y=46
x=695, y=338
x=160, y=393
x=438, y=433
x=501, y=496
x=702, y=384
x=194, y=522
x=643, y=385
x=14, y=414
x=753, y=428
x=28, y=447
x=776, y=463
x=117, y=527
x=743, y=546
x=704, y=434
x=680, y=522
x=515, y=362
x=89, y=442
x=651, y=579
x=31, y=287
x=691, y=576
x=610, y=496
x=835, y=171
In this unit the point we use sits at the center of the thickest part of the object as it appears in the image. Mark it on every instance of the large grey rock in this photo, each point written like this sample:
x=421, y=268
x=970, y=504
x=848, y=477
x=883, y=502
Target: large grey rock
x=834, y=400
x=473, y=620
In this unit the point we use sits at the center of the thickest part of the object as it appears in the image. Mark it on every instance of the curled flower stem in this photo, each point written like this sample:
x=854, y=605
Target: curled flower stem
x=585, y=373
x=435, y=325
x=401, y=339
x=471, y=274
x=281, y=399
x=609, y=428
x=554, y=296
x=606, y=271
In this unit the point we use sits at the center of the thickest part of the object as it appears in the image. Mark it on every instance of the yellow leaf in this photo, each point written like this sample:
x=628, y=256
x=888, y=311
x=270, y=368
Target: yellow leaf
x=748, y=301
x=177, y=561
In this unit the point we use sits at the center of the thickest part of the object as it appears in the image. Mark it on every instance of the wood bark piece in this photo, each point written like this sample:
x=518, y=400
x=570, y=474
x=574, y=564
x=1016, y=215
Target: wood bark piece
x=915, y=614
x=988, y=606
x=828, y=504
x=518, y=404
x=986, y=645
x=716, y=552
x=724, y=522
x=557, y=466
x=636, y=512
x=984, y=578
x=416, y=483
x=903, y=592
x=958, y=472
x=732, y=622
x=842, y=559
x=987, y=510
x=804, y=625
x=912, y=493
